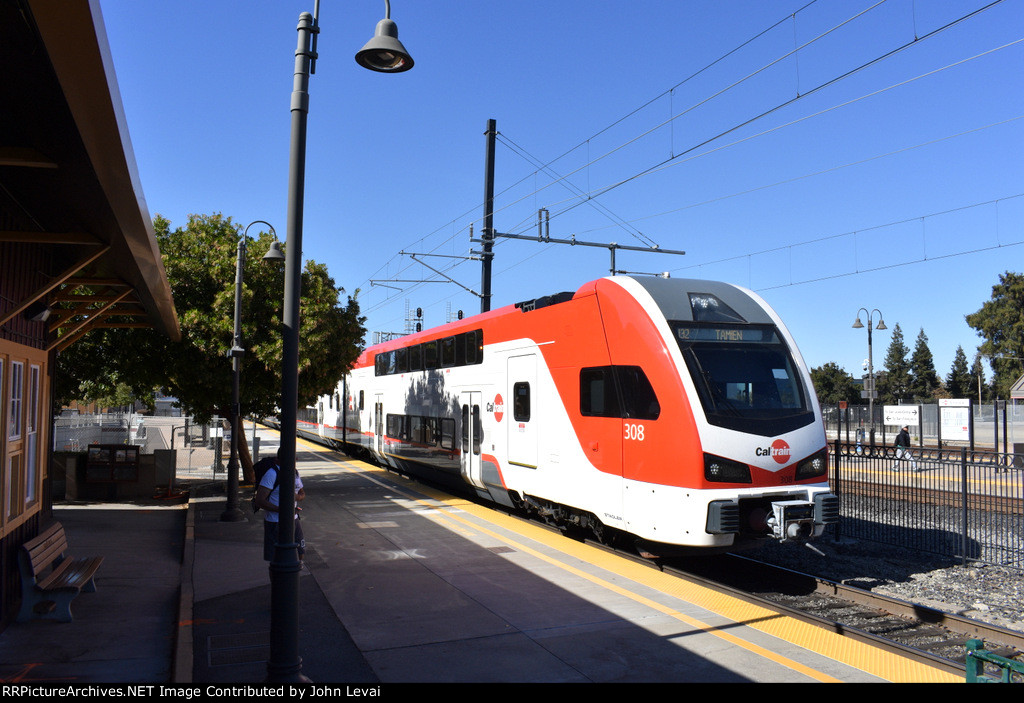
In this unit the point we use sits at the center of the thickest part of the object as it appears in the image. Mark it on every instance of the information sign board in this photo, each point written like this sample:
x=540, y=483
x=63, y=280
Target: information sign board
x=900, y=415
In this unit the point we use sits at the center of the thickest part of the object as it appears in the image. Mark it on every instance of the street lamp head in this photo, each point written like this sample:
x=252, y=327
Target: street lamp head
x=881, y=325
x=858, y=324
x=274, y=253
x=384, y=53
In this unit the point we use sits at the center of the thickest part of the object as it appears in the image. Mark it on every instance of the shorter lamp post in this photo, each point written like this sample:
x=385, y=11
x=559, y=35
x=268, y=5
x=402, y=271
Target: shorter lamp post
x=870, y=389
x=232, y=513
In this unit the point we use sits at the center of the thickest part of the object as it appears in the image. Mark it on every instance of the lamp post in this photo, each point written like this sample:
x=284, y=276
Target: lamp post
x=383, y=53
x=232, y=513
x=871, y=365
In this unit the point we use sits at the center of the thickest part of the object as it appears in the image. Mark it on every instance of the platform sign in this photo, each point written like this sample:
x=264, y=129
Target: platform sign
x=954, y=418
x=900, y=415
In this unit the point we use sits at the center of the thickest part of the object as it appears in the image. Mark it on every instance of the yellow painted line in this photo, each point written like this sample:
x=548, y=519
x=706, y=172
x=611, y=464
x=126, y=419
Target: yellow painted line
x=859, y=655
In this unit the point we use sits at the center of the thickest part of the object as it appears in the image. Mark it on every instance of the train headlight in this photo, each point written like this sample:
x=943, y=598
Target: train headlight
x=814, y=465
x=720, y=470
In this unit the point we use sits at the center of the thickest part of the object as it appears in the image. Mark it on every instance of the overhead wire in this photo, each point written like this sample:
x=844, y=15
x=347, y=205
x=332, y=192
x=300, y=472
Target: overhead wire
x=675, y=158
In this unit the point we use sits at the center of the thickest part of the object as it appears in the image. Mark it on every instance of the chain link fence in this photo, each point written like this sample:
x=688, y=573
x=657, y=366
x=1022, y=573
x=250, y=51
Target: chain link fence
x=200, y=451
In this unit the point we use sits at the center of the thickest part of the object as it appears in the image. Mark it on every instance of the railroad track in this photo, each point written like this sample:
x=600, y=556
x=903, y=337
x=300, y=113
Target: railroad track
x=924, y=494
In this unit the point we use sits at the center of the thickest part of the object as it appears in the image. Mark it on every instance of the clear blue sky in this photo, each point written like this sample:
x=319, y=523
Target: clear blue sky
x=898, y=187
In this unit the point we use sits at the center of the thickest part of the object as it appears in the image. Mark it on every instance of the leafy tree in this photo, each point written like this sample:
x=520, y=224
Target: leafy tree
x=833, y=384
x=200, y=261
x=894, y=384
x=924, y=381
x=959, y=381
x=1000, y=321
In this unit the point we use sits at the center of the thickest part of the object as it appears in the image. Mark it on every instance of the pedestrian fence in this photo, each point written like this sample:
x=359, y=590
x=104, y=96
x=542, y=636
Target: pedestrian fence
x=998, y=425
x=1003, y=670
x=201, y=450
x=952, y=502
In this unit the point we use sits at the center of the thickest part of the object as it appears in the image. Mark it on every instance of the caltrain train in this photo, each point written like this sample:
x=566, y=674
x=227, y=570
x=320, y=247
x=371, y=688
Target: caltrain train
x=676, y=412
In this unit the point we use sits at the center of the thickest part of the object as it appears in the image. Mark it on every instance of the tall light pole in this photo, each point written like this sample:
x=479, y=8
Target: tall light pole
x=386, y=54
x=871, y=365
x=232, y=513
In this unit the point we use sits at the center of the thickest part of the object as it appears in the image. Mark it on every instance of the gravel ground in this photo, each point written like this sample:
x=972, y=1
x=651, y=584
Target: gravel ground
x=992, y=594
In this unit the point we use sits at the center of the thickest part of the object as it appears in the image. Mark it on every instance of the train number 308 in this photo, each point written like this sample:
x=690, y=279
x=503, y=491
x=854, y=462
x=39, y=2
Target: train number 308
x=634, y=432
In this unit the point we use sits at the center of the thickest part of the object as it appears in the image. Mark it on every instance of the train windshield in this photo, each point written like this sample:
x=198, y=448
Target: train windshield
x=745, y=376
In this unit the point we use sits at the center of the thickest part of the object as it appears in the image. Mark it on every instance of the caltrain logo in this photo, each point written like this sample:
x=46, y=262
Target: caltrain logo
x=498, y=408
x=778, y=451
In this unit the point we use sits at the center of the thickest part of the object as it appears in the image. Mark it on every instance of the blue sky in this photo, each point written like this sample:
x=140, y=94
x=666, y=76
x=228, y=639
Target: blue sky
x=780, y=166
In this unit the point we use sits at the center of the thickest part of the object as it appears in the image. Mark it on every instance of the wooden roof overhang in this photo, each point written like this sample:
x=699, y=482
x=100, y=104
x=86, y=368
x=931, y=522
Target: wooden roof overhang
x=68, y=178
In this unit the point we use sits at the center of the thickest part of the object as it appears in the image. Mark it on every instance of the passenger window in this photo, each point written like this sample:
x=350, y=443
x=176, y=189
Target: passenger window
x=448, y=351
x=478, y=430
x=416, y=358
x=617, y=391
x=447, y=433
x=638, y=399
x=521, y=402
x=598, y=395
x=430, y=360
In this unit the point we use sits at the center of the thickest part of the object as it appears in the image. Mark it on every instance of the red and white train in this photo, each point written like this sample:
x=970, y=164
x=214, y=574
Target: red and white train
x=676, y=411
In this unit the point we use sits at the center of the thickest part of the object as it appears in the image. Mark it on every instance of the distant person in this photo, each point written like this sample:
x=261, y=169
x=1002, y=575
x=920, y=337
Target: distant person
x=903, y=449
x=268, y=498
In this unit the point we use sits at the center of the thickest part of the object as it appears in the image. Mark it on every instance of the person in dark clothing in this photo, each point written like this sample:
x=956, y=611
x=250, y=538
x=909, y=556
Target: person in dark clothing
x=903, y=448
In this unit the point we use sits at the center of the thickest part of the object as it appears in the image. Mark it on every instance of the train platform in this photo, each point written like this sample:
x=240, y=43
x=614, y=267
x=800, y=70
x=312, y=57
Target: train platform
x=401, y=584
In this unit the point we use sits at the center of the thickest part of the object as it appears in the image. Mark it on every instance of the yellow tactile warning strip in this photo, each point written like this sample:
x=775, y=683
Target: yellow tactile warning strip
x=859, y=655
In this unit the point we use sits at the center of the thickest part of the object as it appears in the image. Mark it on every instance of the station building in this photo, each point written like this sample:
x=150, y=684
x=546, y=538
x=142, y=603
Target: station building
x=77, y=248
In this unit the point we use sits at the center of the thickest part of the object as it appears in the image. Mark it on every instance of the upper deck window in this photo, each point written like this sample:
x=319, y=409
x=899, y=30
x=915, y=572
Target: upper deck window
x=464, y=349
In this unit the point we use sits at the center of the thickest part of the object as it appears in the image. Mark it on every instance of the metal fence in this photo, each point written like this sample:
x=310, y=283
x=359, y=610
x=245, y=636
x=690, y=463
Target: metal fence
x=199, y=449
x=998, y=425
x=950, y=502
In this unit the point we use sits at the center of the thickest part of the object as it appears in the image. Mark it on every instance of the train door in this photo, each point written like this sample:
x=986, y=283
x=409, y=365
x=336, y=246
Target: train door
x=523, y=426
x=472, y=437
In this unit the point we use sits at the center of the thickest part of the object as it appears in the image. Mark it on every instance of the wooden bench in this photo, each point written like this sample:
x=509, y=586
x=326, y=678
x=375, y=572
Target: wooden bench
x=50, y=579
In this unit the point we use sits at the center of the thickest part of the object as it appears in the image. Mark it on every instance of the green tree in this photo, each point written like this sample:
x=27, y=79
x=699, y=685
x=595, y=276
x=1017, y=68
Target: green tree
x=1000, y=321
x=200, y=263
x=833, y=384
x=894, y=383
x=924, y=382
x=959, y=381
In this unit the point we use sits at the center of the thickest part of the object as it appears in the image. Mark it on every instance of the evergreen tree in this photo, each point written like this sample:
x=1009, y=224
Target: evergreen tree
x=894, y=383
x=959, y=380
x=924, y=381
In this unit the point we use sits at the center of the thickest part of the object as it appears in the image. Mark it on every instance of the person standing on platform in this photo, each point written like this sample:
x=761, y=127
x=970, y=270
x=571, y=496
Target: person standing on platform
x=268, y=497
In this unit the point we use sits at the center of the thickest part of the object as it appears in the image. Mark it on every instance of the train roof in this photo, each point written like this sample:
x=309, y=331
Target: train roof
x=696, y=300
x=682, y=299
